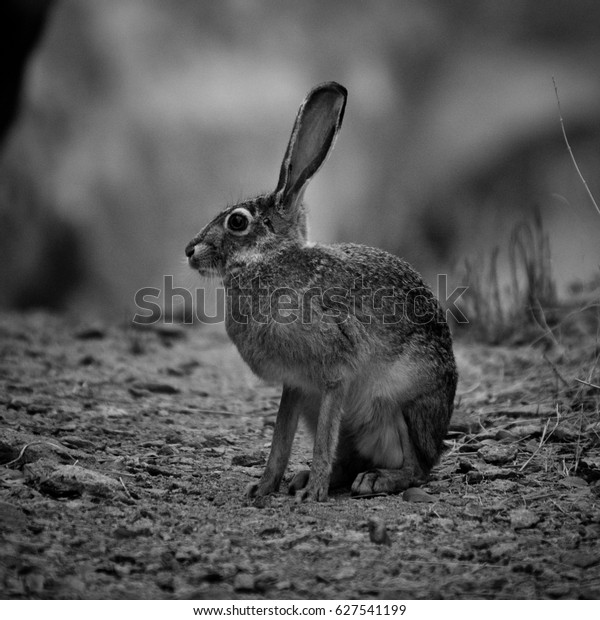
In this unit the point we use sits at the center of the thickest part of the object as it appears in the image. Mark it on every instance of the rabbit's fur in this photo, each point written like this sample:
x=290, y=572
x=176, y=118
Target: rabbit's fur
x=357, y=339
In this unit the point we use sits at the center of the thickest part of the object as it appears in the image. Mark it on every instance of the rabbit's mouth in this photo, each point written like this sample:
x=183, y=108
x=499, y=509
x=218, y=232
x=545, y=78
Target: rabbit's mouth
x=209, y=272
x=201, y=258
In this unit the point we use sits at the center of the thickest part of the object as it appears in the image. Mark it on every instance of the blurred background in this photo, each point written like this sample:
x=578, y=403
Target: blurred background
x=127, y=124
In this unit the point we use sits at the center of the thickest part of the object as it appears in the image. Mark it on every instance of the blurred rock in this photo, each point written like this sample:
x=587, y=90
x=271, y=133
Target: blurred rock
x=498, y=454
x=522, y=518
x=378, y=533
x=69, y=481
x=244, y=582
x=417, y=495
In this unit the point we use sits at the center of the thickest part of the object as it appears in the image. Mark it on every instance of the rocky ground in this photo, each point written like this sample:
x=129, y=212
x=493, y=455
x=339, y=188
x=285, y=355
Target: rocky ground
x=124, y=454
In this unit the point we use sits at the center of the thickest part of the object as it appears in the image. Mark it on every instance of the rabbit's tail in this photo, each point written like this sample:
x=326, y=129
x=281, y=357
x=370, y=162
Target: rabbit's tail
x=427, y=418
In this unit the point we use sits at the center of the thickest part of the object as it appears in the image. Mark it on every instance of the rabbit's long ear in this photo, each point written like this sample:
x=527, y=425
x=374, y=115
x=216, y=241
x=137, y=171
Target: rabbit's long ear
x=317, y=124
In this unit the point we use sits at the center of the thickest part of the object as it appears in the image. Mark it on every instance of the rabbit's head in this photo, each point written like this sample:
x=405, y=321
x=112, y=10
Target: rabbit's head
x=249, y=228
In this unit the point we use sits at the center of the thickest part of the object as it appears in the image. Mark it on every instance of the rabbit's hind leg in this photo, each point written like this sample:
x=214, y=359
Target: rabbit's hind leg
x=387, y=445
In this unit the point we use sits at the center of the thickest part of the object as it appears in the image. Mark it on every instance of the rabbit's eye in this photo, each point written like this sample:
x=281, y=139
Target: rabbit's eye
x=238, y=221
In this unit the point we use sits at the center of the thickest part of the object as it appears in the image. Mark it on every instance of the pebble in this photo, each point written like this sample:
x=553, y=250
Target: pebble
x=378, y=533
x=526, y=430
x=70, y=480
x=34, y=408
x=347, y=572
x=92, y=332
x=498, y=454
x=558, y=589
x=164, y=581
x=188, y=553
x=244, y=582
x=521, y=518
x=283, y=585
x=573, y=481
x=582, y=559
x=170, y=330
x=34, y=583
x=249, y=460
x=265, y=581
x=416, y=495
x=155, y=387
x=503, y=549
x=124, y=532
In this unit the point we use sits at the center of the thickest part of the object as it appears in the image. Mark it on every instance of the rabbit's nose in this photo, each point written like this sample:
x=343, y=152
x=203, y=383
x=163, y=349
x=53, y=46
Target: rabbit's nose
x=190, y=249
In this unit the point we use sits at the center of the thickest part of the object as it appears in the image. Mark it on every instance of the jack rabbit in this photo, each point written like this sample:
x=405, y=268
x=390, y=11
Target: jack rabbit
x=358, y=341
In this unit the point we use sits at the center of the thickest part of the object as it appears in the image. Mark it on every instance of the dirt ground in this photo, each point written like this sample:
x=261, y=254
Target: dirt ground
x=125, y=454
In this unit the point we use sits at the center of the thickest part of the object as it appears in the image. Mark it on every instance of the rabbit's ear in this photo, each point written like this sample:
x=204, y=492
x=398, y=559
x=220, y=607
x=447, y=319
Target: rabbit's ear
x=318, y=121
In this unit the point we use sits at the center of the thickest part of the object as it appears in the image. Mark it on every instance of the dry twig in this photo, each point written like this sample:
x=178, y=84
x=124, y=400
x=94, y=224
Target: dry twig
x=125, y=488
x=597, y=387
x=543, y=439
x=34, y=443
x=564, y=133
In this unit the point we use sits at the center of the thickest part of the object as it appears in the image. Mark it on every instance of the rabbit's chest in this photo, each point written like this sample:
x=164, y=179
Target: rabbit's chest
x=281, y=345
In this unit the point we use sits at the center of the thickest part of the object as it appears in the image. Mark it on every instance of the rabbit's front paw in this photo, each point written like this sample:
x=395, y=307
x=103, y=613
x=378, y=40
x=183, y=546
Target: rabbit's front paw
x=315, y=494
x=259, y=489
x=316, y=490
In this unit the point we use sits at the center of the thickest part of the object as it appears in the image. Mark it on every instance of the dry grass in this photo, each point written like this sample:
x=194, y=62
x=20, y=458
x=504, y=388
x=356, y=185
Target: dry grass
x=550, y=385
x=513, y=302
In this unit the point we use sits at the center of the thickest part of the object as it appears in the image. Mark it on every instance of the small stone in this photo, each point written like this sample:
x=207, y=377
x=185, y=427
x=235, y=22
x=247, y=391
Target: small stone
x=155, y=387
x=188, y=554
x=249, y=460
x=283, y=585
x=137, y=393
x=265, y=581
x=582, y=559
x=124, y=532
x=447, y=552
x=164, y=581
x=271, y=532
x=526, y=430
x=558, y=589
x=69, y=481
x=378, y=532
x=167, y=450
x=34, y=408
x=591, y=462
x=521, y=518
x=110, y=411
x=72, y=587
x=498, y=454
x=18, y=403
x=92, y=332
x=244, y=582
x=502, y=550
x=488, y=473
x=465, y=466
x=34, y=583
x=170, y=330
x=416, y=495
x=347, y=572
x=573, y=481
